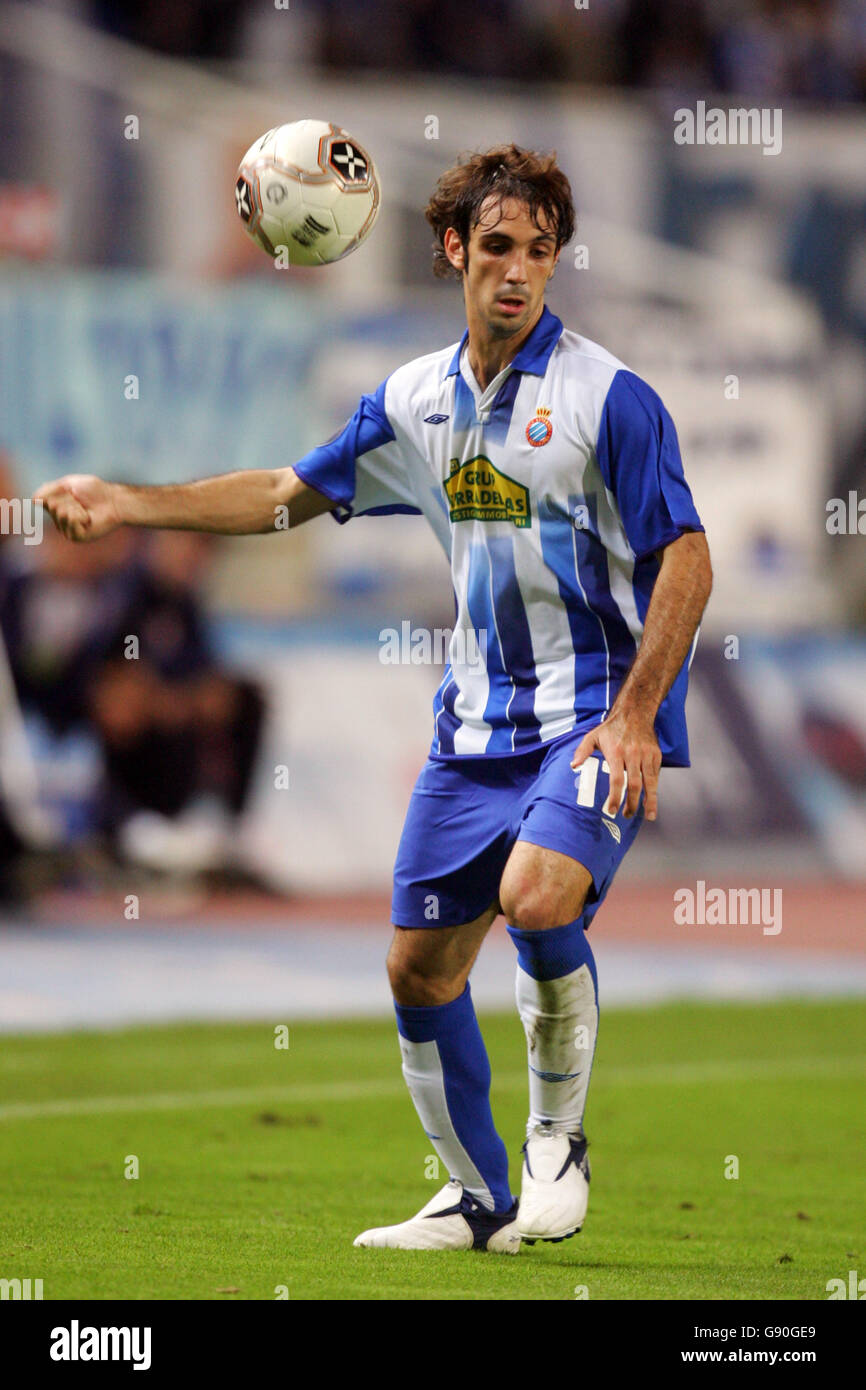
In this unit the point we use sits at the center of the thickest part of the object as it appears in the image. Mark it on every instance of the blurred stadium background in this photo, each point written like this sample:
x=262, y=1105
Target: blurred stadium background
x=208, y=831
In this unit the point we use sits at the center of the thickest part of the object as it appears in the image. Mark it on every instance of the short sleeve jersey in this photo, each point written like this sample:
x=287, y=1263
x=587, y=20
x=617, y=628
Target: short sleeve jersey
x=551, y=493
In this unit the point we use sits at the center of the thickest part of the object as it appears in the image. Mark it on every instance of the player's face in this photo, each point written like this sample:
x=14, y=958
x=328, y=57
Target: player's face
x=510, y=260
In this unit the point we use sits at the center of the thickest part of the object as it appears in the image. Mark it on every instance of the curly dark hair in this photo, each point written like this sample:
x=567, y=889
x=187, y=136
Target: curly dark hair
x=504, y=172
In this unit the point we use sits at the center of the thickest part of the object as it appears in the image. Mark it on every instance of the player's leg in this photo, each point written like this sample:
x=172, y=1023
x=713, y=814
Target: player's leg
x=543, y=898
x=451, y=857
x=432, y=967
x=445, y=1062
x=446, y=1069
x=544, y=895
x=554, y=882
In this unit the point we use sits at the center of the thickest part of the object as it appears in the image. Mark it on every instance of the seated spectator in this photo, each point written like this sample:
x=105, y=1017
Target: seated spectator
x=180, y=735
x=112, y=636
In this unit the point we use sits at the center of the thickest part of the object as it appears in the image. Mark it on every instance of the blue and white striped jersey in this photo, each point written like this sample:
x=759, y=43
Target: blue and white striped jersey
x=550, y=492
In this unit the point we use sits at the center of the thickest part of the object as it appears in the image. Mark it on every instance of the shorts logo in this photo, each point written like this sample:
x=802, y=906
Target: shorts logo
x=477, y=491
x=539, y=430
x=614, y=830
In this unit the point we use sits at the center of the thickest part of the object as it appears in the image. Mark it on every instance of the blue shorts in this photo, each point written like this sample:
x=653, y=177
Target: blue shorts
x=466, y=814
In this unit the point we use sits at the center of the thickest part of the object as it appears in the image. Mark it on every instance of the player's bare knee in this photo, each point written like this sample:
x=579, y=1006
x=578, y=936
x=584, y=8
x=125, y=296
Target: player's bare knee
x=531, y=912
x=419, y=983
x=415, y=989
x=531, y=907
x=524, y=903
x=397, y=967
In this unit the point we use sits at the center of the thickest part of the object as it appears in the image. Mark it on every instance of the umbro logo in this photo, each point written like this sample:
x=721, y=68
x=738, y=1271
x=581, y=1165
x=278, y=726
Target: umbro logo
x=436, y=419
x=614, y=829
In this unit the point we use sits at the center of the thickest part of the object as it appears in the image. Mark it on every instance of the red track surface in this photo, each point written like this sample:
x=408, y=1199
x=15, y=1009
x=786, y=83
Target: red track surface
x=816, y=916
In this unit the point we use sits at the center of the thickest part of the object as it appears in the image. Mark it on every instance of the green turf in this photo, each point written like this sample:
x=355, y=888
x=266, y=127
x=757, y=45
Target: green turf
x=258, y=1165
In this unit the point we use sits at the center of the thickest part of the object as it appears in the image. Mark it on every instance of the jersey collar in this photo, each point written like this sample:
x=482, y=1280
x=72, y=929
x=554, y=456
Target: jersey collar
x=533, y=356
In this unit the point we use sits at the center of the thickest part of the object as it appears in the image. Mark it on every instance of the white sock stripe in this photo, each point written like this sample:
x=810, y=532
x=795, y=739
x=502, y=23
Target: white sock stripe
x=425, y=1077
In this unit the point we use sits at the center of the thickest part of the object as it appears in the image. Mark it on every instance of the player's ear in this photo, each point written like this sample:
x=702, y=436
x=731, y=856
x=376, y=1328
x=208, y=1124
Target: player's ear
x=453, y=247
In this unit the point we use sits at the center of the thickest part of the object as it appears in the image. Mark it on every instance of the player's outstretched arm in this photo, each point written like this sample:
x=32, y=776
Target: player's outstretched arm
x=627, y=737
x=251, y=502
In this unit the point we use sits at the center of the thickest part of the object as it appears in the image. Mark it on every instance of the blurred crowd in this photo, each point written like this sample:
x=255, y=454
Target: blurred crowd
x=107, y=664
x=108, y=649
x=812, y=50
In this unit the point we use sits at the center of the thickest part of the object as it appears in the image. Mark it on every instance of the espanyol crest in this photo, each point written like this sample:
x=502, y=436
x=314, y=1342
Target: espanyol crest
x=539, y=430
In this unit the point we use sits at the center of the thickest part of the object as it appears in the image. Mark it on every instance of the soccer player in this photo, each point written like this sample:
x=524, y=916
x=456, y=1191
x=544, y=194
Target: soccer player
x=551, y=475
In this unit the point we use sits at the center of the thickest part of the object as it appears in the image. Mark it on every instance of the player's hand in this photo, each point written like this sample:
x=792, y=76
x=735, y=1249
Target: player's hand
x=628, y=744
x=82, y=507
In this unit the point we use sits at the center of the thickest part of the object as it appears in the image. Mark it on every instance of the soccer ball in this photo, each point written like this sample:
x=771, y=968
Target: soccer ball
x=309, y=191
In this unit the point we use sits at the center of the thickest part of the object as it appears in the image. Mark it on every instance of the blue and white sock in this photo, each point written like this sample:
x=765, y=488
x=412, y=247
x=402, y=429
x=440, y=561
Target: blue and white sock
x=557, y=998
x=448, y=1074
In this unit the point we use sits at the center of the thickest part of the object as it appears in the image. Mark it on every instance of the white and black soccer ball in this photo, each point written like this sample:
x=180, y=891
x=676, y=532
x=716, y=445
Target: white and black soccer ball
x=310, y=188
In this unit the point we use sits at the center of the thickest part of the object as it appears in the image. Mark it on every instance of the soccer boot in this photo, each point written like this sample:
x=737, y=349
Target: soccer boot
x=452, y=1220
x=555, y=1190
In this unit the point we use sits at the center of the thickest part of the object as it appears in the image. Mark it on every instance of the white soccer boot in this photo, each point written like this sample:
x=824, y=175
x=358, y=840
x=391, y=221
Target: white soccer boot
x=555, y=1191
x=452, y=1220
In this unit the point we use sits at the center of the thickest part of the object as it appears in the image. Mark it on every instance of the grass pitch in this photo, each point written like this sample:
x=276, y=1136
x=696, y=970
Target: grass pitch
x=257, y=1165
